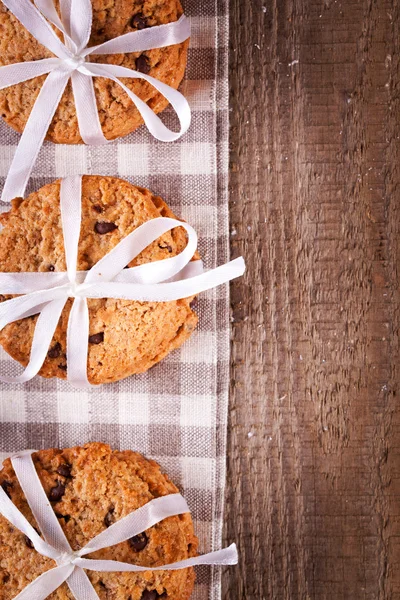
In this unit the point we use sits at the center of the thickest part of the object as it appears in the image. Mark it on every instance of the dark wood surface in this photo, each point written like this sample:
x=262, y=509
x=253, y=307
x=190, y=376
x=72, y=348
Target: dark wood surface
x=313, y=496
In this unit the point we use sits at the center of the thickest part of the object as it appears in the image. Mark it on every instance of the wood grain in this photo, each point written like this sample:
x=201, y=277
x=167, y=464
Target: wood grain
x=313, y=496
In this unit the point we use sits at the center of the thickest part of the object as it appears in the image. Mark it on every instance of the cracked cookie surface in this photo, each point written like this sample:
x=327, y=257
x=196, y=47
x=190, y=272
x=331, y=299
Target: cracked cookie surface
x=90, y=488
x=117, y=113
x=125, y=337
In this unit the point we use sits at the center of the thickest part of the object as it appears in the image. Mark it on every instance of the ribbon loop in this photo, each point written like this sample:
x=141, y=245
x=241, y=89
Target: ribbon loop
x=75, y=23
x=70, y=564
x=152, y=121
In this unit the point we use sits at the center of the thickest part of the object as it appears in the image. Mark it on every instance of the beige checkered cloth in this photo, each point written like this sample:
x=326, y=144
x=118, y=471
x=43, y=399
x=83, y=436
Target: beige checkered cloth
x=175, y=413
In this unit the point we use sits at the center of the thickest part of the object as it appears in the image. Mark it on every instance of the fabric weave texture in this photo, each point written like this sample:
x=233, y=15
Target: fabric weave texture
x=175, y=413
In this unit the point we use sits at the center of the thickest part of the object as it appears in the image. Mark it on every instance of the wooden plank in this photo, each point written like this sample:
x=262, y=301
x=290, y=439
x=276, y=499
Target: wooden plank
x=313, y=495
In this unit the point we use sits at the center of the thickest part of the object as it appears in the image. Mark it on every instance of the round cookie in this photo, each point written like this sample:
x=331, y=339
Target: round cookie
x=90, y=488
x=118, y=115
x=125, y=336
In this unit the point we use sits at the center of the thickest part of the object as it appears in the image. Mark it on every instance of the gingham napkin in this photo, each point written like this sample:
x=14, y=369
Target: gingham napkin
x=176, y=412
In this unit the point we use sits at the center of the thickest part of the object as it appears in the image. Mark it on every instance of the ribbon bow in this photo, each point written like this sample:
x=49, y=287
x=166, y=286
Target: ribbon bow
x=70, y=564
x=47, y=293
x=71, y=62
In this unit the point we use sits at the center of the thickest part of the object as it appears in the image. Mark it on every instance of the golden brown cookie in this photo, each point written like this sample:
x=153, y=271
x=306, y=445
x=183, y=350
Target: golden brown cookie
x=118, y=115
x=90, y=488
x=126, y=337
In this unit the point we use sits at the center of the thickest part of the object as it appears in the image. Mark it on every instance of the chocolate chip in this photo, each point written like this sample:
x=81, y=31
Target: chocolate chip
x=6, y=577
x=96, y=338
x=97, y=208
x=55, y=351
x=29, y=542
x=152, y=595
x=139, y=22
x=64, y=470
x=57, y=492
x=65, y=517
x=166, y=247
x=109, y=518
x=139, y=542
x=103, y=227
x=51, y=268
x=193, y=303
x=149, y=595
x=7, y=485
x=62, y=367
x=142, y=64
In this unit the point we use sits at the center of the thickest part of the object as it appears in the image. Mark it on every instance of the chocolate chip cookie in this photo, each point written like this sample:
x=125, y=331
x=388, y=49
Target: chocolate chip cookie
x=118, y=115
x=90, y=488
x=126, y=337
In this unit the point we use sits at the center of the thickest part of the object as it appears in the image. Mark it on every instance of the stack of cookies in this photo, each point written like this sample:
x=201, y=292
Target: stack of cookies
x=126, y=336
x=118, y=115
x=90, y=488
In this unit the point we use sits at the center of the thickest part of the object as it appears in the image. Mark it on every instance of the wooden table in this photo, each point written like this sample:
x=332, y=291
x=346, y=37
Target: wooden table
x=313, y=496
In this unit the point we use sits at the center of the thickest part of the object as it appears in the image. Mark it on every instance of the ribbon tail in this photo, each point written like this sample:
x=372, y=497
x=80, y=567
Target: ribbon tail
x=46, y=584
x=81, y=22
x=152, y=121
x=158, y=36
x=44, y=331
x=71, y=214
x=48, y=10
x=226, y=556
x=39, y=504
x=80, y=585
x=34, y=134
x=77, y=29
x=28, y=282
x=16, y=308
x=86, y=110
x=168, y=291
x=19, y=72
x=78, y=344
x=65, y=11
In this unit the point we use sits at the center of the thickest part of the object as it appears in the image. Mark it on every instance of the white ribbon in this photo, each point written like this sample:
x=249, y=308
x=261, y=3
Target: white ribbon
x=47, y=293
x=70, y=564
x=71, y=62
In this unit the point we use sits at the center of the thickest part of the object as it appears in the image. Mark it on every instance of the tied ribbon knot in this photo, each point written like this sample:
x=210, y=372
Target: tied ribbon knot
x=75, y=62
x=71, y=564
x=47, y=293
x=71, y=61
x=67, y=558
